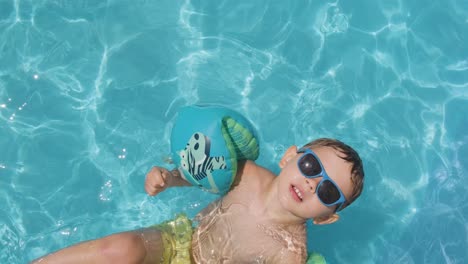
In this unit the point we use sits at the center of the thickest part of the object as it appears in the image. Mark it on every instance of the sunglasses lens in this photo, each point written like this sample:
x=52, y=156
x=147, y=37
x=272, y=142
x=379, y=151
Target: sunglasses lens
x=309, y=165
x=328, y=192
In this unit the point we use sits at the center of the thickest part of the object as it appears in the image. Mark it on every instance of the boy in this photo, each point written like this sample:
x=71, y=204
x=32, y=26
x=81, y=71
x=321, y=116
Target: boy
x=260, y=220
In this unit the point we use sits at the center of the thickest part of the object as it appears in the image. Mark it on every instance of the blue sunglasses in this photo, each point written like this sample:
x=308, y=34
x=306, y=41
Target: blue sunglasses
x=327, y=190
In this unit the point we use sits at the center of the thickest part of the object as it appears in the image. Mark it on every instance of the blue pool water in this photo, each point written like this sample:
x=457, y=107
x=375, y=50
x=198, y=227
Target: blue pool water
x=89, y=90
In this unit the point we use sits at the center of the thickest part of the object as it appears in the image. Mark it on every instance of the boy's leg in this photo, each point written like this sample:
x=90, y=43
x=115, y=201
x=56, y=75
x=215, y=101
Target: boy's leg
x=138, y=246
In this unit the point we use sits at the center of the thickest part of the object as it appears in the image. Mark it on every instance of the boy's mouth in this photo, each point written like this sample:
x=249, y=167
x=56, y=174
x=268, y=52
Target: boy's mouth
x=296, y=193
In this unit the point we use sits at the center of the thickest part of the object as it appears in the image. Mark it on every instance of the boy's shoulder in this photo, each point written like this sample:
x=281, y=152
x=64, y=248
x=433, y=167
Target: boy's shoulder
x=251, y=173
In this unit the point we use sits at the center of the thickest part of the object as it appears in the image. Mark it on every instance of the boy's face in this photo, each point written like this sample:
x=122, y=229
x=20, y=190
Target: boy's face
x=298, y=195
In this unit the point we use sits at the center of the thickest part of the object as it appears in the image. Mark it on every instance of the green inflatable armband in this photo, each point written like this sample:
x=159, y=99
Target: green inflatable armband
x=315, y=258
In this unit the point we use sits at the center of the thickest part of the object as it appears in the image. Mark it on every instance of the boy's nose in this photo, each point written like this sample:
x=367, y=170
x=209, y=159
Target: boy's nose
x=311, y=185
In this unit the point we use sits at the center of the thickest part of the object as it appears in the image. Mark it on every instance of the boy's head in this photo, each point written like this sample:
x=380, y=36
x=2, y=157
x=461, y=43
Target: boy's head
x=348, y=154
x=319, y=179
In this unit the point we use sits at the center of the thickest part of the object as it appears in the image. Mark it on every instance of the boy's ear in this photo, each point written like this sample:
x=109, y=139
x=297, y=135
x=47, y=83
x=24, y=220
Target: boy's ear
x=325, y=220
x=289, y=154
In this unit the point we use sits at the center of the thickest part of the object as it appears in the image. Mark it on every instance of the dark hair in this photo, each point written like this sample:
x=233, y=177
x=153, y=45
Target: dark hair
x=349, y=155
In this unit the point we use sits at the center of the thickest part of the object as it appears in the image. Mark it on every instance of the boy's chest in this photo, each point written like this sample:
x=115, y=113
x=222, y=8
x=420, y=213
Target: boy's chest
x=232, y=235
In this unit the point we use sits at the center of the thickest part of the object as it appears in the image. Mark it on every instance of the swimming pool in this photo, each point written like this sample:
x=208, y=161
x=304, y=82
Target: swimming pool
x=88, y=91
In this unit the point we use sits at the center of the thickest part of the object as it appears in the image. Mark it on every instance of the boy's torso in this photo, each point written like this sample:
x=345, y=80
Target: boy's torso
x=229, y=231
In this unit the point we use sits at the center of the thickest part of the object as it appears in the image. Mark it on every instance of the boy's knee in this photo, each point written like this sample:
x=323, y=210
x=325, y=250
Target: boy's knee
x=123, y=248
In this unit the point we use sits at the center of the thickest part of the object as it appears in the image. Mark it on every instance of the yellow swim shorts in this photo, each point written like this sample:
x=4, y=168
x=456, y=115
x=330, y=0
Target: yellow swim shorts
x=177, y=240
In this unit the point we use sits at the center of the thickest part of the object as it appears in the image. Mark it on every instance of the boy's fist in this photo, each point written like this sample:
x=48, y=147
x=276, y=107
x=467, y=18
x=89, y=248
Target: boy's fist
x=157, y=180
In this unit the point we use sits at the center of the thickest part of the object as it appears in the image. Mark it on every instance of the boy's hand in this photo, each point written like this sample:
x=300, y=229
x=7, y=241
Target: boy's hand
x=157, y=180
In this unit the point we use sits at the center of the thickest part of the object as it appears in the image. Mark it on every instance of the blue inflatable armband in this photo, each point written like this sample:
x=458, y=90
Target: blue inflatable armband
x=207, y=142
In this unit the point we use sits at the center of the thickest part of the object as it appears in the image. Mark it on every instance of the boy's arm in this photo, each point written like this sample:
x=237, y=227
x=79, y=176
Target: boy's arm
x=159, y=178
x=178, y=180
